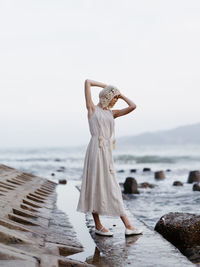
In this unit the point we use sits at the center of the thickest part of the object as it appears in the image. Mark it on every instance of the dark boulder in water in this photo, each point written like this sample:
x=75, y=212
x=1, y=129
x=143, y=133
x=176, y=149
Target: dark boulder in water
x=168, y=170
x=120, y=171
x=196, y=187
x=130, y=186
x=177, y=183
x=159, y=175
x=146, y=185
x=146, y=169
x=133, y=170
x=194, y=176
x=183, y=231
x=62, y=181
x=61, y=169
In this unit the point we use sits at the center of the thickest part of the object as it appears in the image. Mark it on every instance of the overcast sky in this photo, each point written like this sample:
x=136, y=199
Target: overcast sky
x=150, y=50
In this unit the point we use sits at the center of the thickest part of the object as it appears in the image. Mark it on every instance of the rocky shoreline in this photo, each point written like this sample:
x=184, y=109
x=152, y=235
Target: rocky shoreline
x=179, y=228
x=183, y=231
x=33, y=232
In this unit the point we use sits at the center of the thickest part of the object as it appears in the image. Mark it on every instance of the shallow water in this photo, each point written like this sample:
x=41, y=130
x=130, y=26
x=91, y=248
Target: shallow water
x=67, y=202
x=150, y=204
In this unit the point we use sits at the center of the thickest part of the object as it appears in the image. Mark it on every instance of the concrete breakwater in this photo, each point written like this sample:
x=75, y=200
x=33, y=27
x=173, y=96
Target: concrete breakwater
x=33, y=232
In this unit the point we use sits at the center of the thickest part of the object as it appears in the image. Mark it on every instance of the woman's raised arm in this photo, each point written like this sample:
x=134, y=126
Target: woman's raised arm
x=88, y=97
x=124, y=111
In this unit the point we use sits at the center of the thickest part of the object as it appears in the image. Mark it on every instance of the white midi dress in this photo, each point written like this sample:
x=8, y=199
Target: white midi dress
x=100, y=191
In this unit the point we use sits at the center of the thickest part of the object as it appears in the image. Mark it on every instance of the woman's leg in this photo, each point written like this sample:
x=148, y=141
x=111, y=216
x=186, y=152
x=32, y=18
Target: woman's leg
x=97, y=222
x=126, y=222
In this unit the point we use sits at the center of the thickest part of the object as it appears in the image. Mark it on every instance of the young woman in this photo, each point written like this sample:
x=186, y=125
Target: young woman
x=100, y=191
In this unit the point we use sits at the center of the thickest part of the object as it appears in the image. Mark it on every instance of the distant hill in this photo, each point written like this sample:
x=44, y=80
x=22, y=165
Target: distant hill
x=188, y=134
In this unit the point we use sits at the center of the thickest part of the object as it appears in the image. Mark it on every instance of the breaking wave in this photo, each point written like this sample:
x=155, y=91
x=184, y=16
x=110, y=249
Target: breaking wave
x=153, y=159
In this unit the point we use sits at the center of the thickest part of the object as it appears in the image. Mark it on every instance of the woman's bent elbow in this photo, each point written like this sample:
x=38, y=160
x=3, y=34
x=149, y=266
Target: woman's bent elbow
x=133, y=107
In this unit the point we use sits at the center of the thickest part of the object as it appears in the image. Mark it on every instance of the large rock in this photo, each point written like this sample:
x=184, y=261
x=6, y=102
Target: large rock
x=196, y=187
x=130, y=186
x=194, y=176
x=182, y=230
x=159, y=175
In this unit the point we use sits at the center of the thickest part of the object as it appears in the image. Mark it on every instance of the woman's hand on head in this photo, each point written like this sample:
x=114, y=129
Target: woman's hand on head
x=124, y=111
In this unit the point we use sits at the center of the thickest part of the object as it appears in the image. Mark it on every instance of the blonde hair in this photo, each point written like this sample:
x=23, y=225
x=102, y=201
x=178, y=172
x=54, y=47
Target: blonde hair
x=107, y=94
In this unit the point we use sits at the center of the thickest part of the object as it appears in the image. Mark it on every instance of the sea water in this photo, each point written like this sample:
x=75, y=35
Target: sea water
x=151, y=203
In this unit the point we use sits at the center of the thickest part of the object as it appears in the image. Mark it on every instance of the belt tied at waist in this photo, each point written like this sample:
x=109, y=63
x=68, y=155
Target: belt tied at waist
x=101, y=138
x=101, y=141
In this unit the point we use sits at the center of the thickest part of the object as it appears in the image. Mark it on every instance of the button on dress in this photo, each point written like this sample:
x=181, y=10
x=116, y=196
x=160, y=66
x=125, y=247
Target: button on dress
x=100, y=191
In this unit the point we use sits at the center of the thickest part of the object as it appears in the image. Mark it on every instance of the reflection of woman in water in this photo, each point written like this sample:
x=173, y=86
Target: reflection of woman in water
x=100, y=191
x=120, y=253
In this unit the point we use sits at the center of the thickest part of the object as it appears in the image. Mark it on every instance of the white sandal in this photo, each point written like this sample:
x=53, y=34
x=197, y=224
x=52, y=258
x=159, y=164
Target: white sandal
x=136, y=231
x=99, y=232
